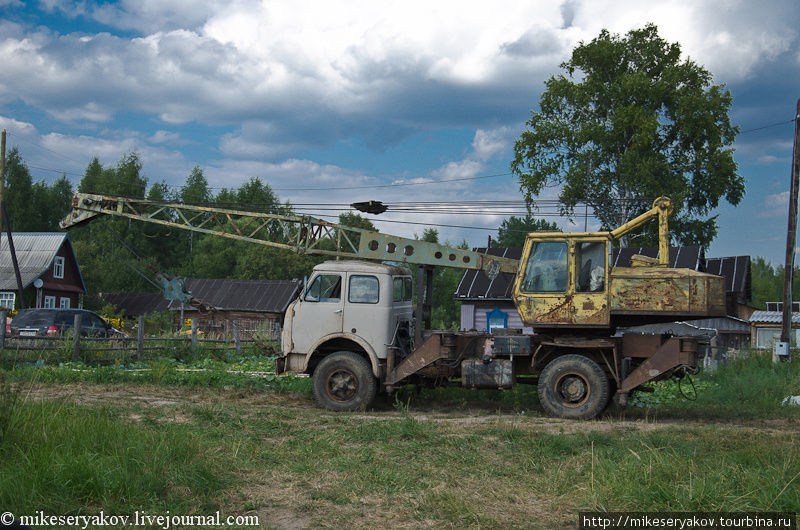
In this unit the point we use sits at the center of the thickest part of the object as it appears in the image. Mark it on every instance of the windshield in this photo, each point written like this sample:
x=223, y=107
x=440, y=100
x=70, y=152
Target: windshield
x=546, y=270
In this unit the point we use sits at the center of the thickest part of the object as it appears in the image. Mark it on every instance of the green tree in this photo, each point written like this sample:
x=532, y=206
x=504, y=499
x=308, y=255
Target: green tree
x=92, y=181
x=429, y=234
x=513, y=230
x=159, y=191
x=18, y=193
x=108, y=248
x=257, y=195
x=59, y=201
x=631, y=120
x=766, y=285
x=356, y=221
x=195, y=189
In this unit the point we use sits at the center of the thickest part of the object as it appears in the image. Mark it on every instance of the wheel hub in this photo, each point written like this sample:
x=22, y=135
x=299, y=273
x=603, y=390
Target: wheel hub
x=573, y=389
x=342, y=385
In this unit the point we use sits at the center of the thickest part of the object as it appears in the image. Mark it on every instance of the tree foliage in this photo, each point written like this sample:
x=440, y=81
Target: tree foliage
x=629, y=121
x=767, y=282
x=33, y=206
x=513, y=230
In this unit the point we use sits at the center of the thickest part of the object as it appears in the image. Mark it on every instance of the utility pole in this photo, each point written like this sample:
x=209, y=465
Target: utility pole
x=782, y=349
x=2, y=172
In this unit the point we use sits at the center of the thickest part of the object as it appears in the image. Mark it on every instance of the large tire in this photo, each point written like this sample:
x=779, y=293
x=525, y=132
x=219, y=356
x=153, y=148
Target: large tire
x=574, y=387
x=344, y=381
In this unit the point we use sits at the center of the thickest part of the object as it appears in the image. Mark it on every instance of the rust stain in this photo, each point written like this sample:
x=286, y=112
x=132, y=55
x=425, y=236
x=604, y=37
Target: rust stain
x=588, y=305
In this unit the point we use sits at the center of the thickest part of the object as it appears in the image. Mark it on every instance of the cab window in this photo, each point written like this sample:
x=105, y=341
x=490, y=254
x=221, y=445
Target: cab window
x=590, y=267
x=363, y=290
x=401, y=289
x=325, y=288
x=546, y=270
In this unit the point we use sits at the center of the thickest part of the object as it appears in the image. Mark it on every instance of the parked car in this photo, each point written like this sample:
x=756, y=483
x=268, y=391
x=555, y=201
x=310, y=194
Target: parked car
x=52, y=322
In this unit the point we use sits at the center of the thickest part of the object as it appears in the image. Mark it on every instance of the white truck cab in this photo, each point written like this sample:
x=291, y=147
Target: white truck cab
x=345, y=321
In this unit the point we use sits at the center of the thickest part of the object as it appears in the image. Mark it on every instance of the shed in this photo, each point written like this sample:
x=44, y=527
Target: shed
x=480, y=295
x=251, y=303
x=765, y=327
x=45, y=256
x=135, y=304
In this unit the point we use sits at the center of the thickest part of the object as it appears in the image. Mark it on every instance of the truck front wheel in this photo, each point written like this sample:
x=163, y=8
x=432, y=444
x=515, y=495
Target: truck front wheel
x=573, y=387
x=344, y=381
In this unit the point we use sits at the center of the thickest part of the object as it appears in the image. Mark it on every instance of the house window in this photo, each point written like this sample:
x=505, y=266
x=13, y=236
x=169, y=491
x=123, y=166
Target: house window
x=49, y=302
x=58, y=267
x=64, y=302
x=7, y=300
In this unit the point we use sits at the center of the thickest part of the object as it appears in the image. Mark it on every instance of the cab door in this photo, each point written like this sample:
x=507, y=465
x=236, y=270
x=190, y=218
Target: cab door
x=368, y=308
x=542, y=289
x=319, y=313
x=589, y=259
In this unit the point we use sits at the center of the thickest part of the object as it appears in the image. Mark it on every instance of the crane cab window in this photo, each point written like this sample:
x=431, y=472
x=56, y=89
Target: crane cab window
x=546, y=270
x=590, y=267
x=325, y=288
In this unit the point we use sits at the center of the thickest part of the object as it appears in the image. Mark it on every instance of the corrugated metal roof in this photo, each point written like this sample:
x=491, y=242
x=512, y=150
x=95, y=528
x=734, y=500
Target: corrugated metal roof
x=705, y=326
x=267, y=296
x=476, y=284
x=721, y=324
x=135, y=304
x=35, y=252
x=689, y=257
x=772, y=317
x=736, y=270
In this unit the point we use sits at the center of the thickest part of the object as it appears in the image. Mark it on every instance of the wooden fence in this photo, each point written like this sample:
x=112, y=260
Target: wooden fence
x=134, y=348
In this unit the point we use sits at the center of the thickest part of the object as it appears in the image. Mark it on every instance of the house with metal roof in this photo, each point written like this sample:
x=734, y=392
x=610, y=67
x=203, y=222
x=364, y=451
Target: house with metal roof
x=251, y=303
x=49, y=271
x=766, y=326
x=135, y=304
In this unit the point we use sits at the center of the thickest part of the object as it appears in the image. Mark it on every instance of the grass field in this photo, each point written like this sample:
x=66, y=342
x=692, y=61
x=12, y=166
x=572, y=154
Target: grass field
x=78, y=442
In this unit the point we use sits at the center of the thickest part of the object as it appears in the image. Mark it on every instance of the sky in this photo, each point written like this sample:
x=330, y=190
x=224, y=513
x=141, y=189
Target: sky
x=333, y=102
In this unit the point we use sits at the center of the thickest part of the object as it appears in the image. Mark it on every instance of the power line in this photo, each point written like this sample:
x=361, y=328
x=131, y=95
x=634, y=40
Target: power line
x=766, y=126
x=31, y=142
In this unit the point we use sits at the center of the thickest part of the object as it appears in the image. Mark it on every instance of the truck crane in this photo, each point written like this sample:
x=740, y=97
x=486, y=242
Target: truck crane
x=355, y=330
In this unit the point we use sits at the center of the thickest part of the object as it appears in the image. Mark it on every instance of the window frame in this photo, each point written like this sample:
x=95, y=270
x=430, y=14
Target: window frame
x=317, y=278
x=350, y=290
x=564, y=263
x=404, y=283
x=58, y=267
x=4, y=296
x=49, y=302
x=61, y=301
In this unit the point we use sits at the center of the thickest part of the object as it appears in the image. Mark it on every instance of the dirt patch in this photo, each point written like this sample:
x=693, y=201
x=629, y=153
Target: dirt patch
x=126, y=395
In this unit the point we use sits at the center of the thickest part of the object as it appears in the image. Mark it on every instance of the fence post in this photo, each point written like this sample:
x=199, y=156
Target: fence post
x=194, y=333
x=76, y=352
x=236, y=338
x=140, y=339
x=3, y=331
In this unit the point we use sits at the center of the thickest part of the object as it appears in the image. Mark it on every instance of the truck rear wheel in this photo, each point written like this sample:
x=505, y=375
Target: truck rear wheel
x=574, y=387
x=344, y=381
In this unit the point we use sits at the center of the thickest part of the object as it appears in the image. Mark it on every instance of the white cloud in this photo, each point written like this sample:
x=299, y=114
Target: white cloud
x=776, y=205
x=488, y=143
x=317, y=71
